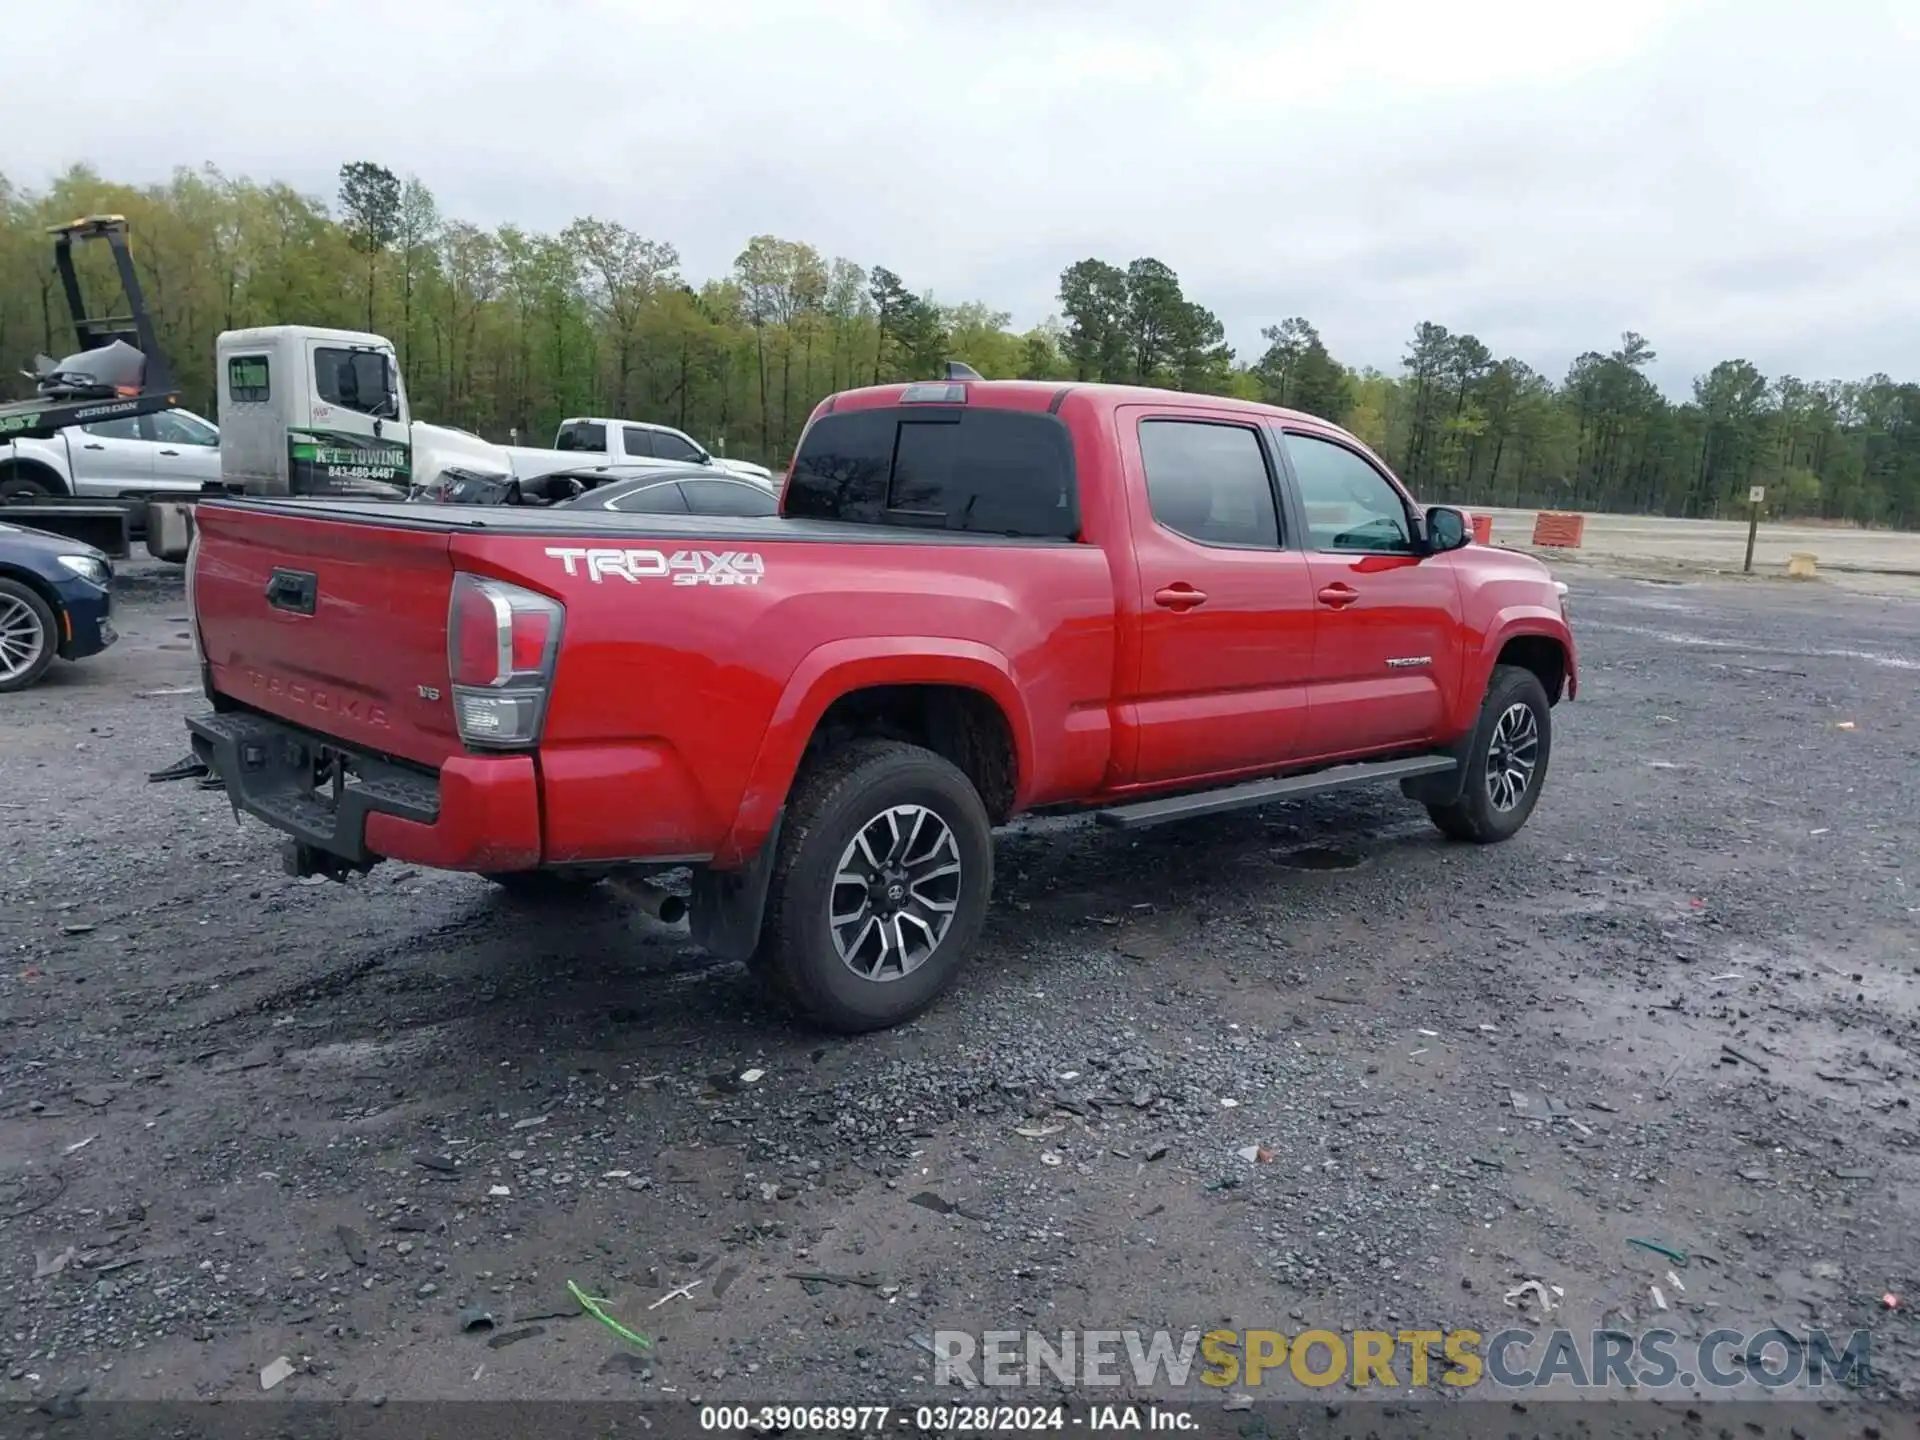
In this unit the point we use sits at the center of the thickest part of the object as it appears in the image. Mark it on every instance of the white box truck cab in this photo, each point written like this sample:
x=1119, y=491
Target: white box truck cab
x=306, y=411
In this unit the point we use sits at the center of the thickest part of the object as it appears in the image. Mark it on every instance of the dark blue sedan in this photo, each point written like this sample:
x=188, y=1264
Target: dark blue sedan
x=56, y=599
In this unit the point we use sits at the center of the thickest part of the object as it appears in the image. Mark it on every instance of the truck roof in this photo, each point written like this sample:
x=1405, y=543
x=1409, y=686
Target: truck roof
x=609, y=420
x=261, y=334
x=1051, y=394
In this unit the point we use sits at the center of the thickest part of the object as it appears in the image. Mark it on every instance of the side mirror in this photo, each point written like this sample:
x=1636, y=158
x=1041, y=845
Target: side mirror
x=1446, y=529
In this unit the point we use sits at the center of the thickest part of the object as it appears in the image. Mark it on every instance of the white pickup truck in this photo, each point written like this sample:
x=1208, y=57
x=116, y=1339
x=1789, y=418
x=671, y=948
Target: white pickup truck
x=172, y=452
x=632, y=442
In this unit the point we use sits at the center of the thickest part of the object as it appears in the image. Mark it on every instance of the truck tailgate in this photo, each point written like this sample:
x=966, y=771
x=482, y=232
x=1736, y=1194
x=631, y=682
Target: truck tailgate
x=335, y=625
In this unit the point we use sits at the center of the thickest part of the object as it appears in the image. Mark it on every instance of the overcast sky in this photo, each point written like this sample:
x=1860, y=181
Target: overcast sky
x=1730, y=179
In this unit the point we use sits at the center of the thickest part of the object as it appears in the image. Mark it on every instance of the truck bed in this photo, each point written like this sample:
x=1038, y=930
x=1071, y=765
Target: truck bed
x=697, y=652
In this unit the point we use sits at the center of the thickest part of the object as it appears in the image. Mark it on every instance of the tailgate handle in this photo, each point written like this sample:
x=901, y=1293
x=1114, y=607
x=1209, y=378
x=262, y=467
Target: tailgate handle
x=294, y=590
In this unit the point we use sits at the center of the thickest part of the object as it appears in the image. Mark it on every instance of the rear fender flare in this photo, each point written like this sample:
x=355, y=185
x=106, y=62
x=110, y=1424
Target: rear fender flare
x=839, y=668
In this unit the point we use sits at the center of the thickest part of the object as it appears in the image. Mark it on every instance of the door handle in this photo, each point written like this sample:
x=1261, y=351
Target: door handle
x=93, y=445
x=1338, y=595
x=1179, y=597
x=294, y=590
x=169, y=452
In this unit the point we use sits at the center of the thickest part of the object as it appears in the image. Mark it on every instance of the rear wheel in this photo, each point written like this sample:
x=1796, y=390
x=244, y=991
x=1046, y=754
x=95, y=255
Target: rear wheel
x=1507, y=763
x=880, y=887
x=29, y=635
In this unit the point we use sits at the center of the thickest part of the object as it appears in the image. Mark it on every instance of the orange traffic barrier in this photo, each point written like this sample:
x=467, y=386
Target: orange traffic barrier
x=1555, y=528
x=1483, y=529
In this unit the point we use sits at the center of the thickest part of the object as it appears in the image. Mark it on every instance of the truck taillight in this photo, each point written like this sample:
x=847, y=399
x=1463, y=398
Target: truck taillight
x=502, y=642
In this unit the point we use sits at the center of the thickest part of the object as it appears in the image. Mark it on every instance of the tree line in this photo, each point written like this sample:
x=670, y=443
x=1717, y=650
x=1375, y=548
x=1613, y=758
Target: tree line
x=506, y=331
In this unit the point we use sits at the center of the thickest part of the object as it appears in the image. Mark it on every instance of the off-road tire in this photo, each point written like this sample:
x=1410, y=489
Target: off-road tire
x=1474, y=817
x=49, y=624
x=835, y=797
x=547, y=886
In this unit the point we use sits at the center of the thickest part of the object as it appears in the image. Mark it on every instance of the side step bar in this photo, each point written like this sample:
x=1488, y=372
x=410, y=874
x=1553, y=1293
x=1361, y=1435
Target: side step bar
x=1264, y=792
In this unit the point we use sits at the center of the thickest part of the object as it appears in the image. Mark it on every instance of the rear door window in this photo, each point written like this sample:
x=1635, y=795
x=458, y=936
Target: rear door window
x=638, y=443
x=728, y=497
x=660, y=499
x=999, y=472
x=1209, y=482
x=130, y=427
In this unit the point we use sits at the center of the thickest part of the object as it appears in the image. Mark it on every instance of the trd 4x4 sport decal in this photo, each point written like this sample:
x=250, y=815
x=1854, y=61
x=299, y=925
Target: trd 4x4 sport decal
x=683, y=567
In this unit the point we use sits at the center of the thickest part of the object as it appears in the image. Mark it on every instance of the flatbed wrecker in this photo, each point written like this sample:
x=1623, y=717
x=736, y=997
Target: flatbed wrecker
x=119, y=371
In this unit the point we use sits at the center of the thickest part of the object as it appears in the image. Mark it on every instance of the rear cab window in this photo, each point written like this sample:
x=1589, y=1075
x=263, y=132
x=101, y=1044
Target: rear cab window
x=582, y=435
x=954, y=468
x=248, y=380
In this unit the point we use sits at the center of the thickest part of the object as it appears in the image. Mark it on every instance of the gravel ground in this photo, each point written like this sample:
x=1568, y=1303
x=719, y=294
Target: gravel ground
x=243, y=1117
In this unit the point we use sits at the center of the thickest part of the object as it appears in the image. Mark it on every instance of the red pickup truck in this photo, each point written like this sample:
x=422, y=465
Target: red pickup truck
x=981, y=598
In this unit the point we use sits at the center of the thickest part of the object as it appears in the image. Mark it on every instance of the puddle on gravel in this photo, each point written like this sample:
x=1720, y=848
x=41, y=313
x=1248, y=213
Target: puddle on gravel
x=1319, y=857
x=1798, y=1012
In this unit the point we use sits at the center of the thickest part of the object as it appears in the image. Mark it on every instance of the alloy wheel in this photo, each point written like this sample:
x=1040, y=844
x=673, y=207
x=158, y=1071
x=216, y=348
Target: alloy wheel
x=894, y=892
x=1512, y=756
x=21, y=638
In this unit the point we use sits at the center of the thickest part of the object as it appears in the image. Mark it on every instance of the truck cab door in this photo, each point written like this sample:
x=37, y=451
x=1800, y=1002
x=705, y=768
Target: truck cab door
x=1224, y=603
x=635, y=443
x=1389, y=641
x=111, y=456
x=357, y=443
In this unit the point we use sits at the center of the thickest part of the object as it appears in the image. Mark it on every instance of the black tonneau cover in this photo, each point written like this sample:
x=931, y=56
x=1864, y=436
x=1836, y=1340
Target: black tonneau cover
x=542, y=520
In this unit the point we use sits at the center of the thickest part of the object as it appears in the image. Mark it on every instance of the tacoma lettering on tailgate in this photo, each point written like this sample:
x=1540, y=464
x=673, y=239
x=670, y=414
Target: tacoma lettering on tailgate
x=683, y=567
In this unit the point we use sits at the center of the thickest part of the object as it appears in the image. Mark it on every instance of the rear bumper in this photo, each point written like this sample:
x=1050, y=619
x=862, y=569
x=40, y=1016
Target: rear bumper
x=479, y=813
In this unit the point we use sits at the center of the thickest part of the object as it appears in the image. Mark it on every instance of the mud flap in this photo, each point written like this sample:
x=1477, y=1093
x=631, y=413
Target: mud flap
x=728, y=905
x=1445, y=787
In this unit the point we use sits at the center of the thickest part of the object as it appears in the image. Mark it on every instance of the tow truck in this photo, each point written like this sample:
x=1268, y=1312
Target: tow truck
x=119, y=372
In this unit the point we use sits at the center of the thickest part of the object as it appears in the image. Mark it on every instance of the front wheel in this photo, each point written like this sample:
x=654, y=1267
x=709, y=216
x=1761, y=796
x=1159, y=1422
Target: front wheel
x=880, y=888
x=25, y=487
x=29, y=636
x=1507, y=763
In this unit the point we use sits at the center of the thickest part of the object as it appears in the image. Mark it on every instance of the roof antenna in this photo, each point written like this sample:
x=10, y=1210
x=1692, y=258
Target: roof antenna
x=959, y=370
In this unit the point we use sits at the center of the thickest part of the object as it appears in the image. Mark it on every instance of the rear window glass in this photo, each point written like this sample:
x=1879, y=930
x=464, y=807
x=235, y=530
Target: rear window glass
x=579, y=435
x=998, y=472
x=247, y=380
